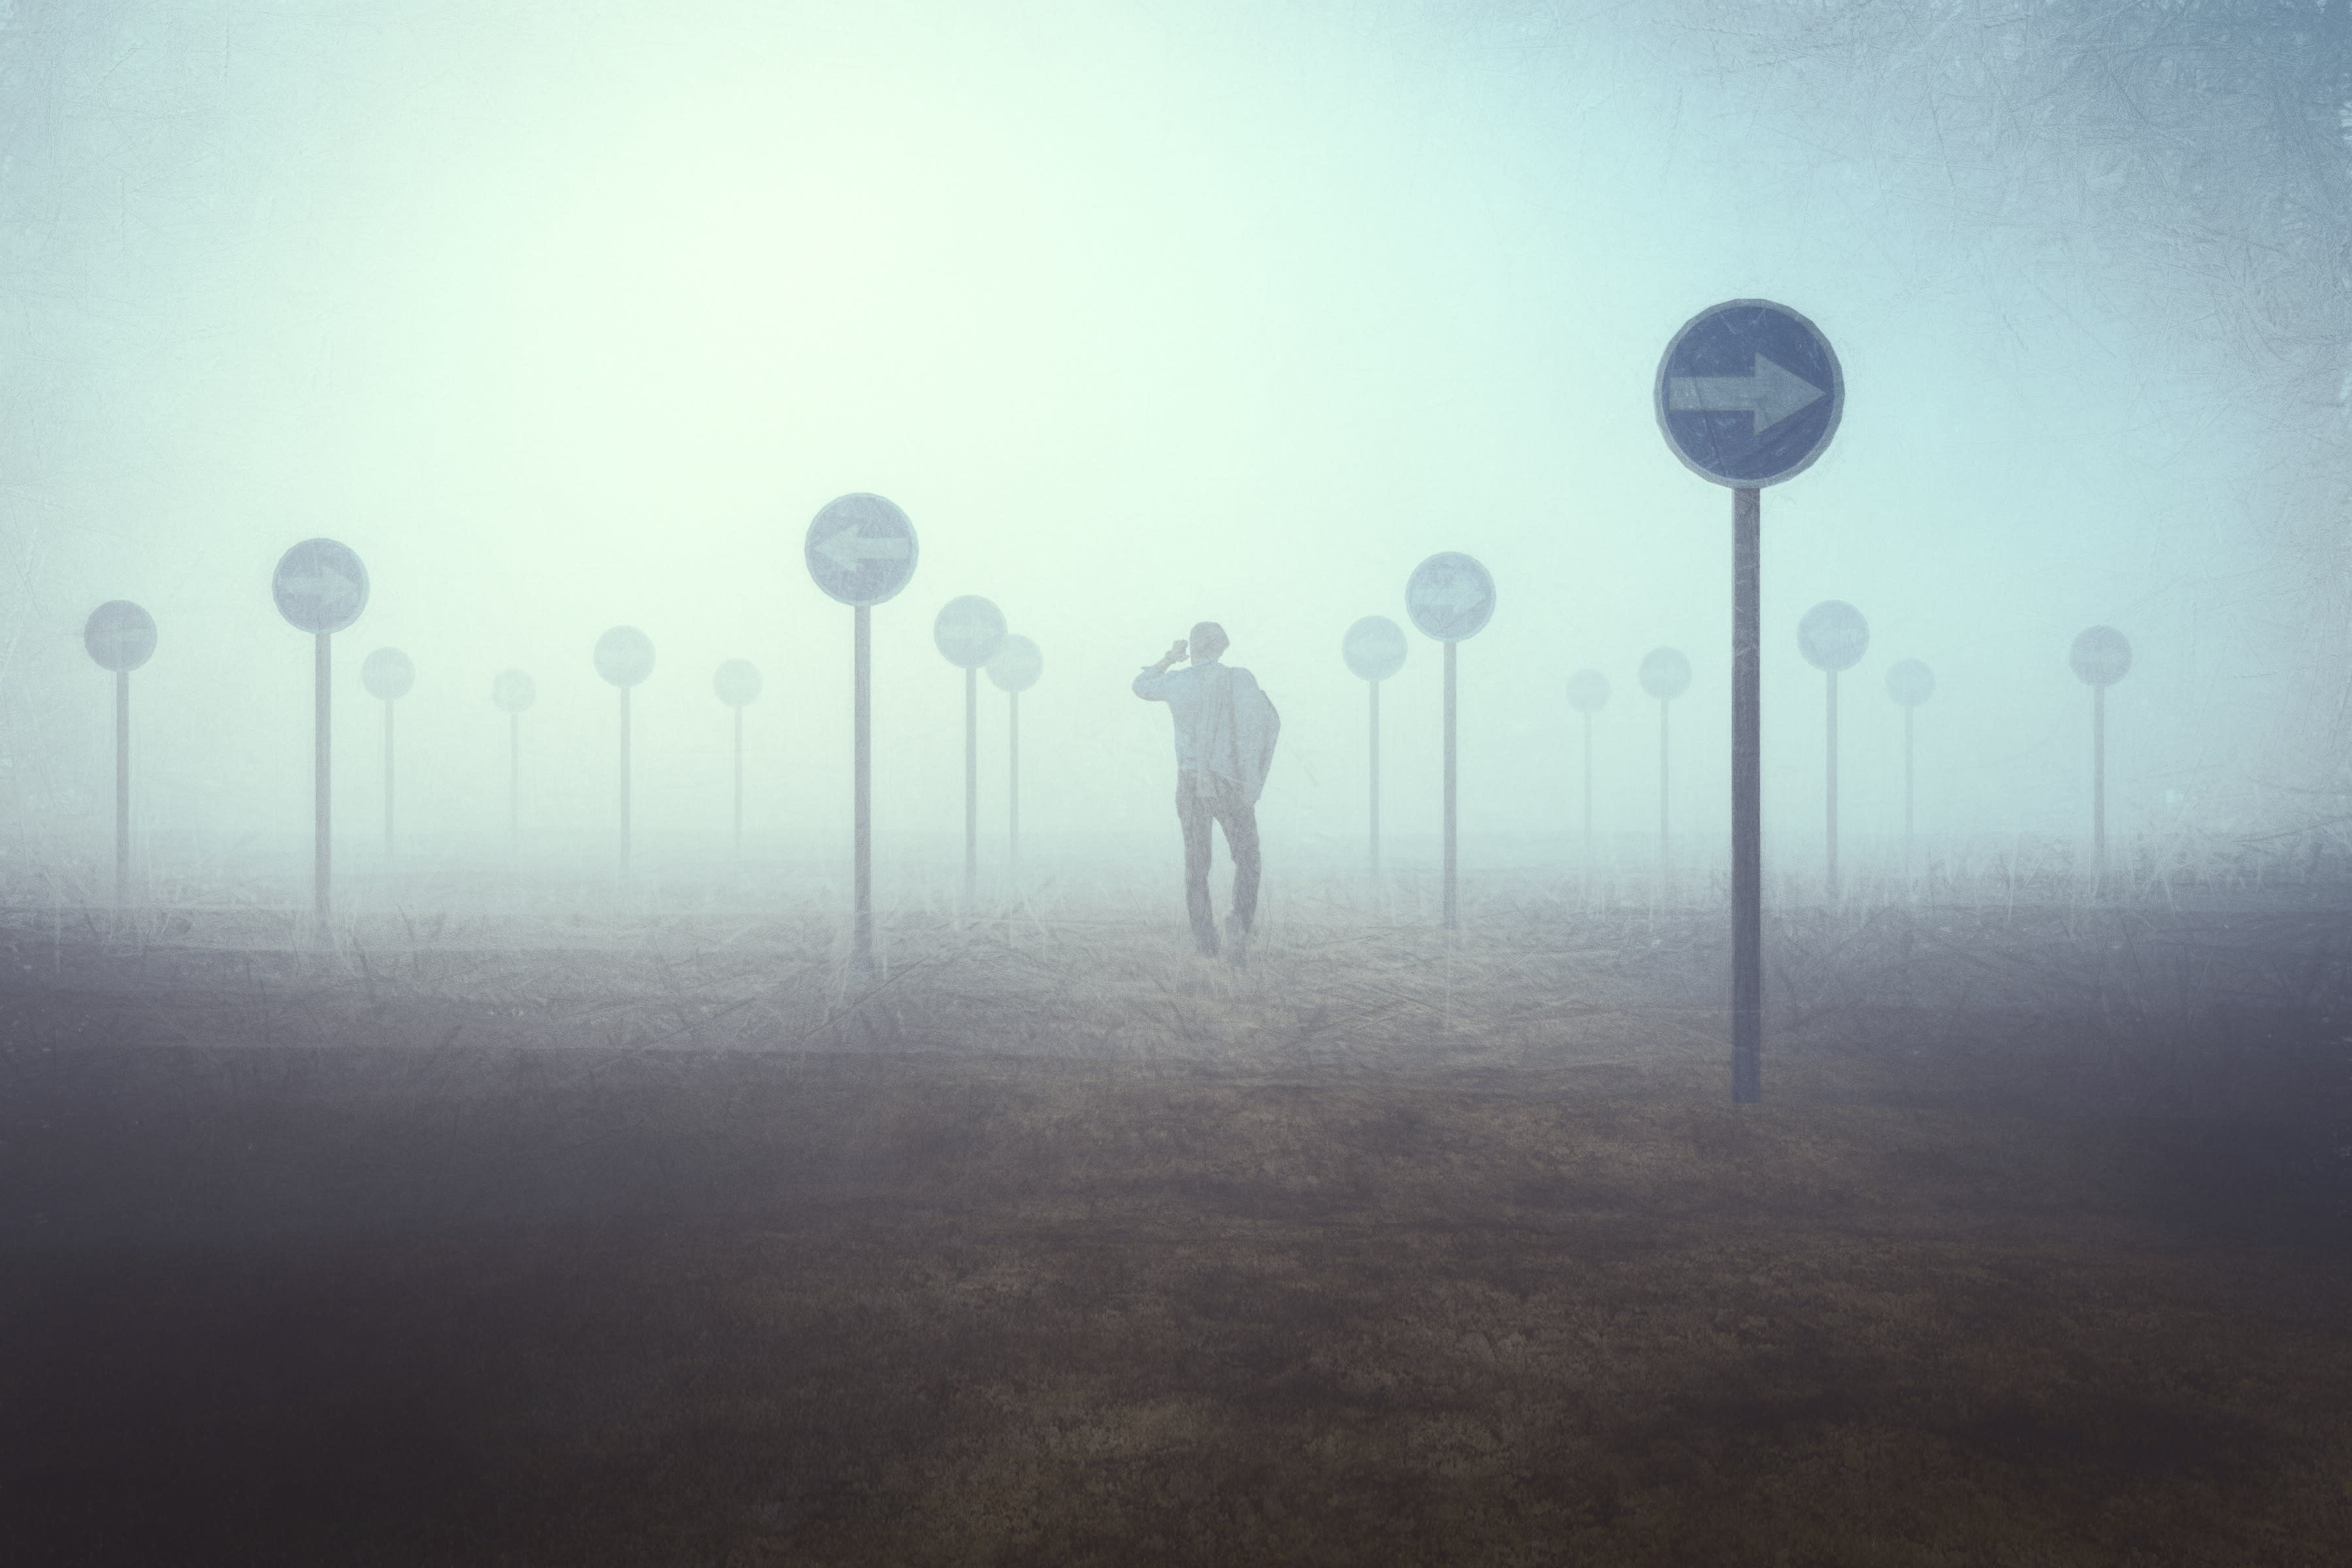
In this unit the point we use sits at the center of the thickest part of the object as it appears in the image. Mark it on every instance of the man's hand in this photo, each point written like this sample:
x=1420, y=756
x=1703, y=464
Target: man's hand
x=1175, y=655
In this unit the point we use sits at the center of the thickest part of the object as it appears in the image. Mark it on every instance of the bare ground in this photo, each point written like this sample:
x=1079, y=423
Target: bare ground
x=674, y=1244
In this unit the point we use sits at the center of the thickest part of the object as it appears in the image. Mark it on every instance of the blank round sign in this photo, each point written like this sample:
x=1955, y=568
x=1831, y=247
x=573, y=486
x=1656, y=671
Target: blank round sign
x=737, y=682
x=119, y=635
x=1833, y=636
x=1017, y=664
x=1588, y=691
x=625, y=656
x=387, y=673
x=1910, y=682
x=513, y=690
x=967, y=631
x=1373, y=647
x=2101, y=657
x=1666, y=673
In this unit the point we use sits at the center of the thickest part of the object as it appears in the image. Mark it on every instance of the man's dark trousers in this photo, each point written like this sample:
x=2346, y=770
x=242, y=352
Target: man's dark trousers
x=1201, y=799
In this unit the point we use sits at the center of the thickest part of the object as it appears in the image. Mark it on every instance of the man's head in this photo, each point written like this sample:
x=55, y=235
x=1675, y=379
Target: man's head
x=1207, y=641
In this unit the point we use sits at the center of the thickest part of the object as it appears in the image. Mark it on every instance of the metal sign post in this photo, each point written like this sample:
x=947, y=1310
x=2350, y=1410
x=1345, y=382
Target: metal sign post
x=624, y=656
x=1910, y=683
x=737, y=683
x=1587, y=693
x=121, y=636
x=388, y=674
x=1833, y=636
x=1665, y=675
x=1374, y=649
x=1747, y=393
x=1450, y=596
x=2101, y=657
x=512, y=691
x=968, y=632
x=1015, y=669
x=321, y=587
x=860, y=550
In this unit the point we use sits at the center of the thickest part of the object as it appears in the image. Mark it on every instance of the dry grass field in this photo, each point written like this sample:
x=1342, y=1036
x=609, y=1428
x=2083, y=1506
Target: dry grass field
x=535, y=1239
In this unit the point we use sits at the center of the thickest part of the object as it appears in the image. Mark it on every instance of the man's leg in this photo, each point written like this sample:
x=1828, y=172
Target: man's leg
x=1192, y=814
x=1241, y=840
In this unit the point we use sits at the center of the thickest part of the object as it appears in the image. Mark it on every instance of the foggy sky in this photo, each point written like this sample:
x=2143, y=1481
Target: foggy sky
x=570, y=316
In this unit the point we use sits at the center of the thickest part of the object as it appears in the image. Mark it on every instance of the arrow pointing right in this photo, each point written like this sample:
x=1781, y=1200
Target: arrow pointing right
x=324, y=587
x=849, y=549
x=1771, y=394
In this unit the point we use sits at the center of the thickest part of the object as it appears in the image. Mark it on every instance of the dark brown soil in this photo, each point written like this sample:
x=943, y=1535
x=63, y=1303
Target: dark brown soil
x=350, y=1301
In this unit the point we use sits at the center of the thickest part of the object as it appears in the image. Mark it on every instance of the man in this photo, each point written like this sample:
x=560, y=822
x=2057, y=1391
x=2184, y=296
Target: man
x=1225, y=731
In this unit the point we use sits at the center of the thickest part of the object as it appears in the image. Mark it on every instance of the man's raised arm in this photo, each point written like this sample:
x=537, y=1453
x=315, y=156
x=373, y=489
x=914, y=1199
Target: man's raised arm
x=1152, y=684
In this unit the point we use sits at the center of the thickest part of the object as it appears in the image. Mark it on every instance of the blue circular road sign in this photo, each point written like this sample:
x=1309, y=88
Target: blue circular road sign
x=1666, y=673
x=513, y=690
x=388, y=674
x=860, y=549
x=120, y=636
x=1017, y=664
x=319, y=586
x=1748, y=394
x=737, y=682
x=1450, y=596
x=625, y=656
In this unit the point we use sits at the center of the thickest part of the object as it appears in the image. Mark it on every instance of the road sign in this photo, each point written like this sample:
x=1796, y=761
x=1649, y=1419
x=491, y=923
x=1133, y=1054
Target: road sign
x=737, y=682
x=967, y=631
x=319, y=586
x=513, y=690
x=1748, y=394
x=1833, y=635
x=1910, y=682
x=388, y=673
x=2101, y=657
x=1374, y=647
x=1450, y=596
x=120, y=636
x=1666, y=673
x=860, y=550
x=1017, y=664
x=624, y=656
x=1015, y=669
x=1588, y=691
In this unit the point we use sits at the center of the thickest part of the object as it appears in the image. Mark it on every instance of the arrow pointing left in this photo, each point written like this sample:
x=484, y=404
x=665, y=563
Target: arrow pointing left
x=849, y=549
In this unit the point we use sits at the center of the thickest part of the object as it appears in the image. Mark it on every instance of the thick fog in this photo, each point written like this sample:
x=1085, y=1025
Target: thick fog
x=570, y=316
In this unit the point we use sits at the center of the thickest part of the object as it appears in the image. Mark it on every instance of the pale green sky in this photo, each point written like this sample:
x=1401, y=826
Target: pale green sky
x=1144, y=314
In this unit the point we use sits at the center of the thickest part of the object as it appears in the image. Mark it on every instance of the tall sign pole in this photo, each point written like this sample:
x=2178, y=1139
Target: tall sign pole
x=1833, y=636
x=1374, y=649
x=860, y=550
x=1910, y=683
x=321, y=587
x=514, y=691
x=1747, y=393
x=2101, y=657
x=1665, y=675
x=1587, y=693
x=388, y=674
x=1450, y=598
x=121, y=636
x=1015, y=669
x=737, y=684
x=968, y=632
x=624, y=656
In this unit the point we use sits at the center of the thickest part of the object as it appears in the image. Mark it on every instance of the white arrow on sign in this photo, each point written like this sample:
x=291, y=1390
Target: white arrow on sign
x=324, y=587
x=1458, y=594
x=1769, y=396
x=848, y=549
